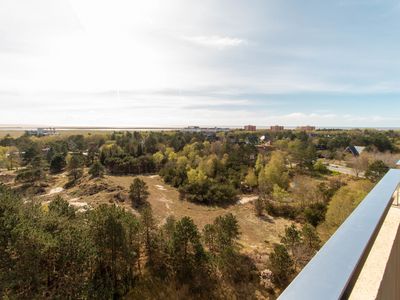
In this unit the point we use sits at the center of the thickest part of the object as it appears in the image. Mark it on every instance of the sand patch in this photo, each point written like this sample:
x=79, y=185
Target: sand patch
x=55, y=191
x=165, y=200
x=247, y=199
x=78, y=204
x=160, y=187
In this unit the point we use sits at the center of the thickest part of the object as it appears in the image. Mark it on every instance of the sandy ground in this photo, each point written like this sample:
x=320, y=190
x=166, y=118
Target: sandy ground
x=247, y=199
x=257, y=233
x=55, y=191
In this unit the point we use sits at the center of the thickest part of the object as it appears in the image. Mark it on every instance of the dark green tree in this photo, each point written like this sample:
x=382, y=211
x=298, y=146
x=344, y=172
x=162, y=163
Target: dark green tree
x=30, y=153
x=376, y=170
x=292, y=241
x=138, y=192
x=187, y=250
x=148, y=227
x=114, y=232
x=57, y=163
x=227, y=229
x=97, y=169
x=310, y=238
x=75, y=167
x=61, y=207
x=281, y=265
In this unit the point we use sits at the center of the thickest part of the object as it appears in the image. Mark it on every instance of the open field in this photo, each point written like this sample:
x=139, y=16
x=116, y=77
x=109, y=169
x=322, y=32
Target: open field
x=12, y=133
x=18, y=131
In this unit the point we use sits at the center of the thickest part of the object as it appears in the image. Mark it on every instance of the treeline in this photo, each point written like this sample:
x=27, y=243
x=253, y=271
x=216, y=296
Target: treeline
x=333, y=140
x=372, y=139
x=53, y=252
x=208, y=172
x=206, y=168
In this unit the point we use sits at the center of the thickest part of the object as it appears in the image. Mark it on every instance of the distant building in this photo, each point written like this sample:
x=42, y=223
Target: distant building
x=204, y=129
x=42, y=132
x=306, y=128
x=250, y=128
x=277, y=128
x=192, y=129
x=355, y=150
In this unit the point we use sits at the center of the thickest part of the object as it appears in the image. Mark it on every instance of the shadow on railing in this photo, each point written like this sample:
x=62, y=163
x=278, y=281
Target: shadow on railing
x=333, y=271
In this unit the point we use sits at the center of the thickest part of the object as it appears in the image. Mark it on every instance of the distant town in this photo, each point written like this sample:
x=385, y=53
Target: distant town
x=275, y=128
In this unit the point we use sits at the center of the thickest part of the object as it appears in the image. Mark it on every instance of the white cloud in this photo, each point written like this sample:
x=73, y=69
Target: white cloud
x=215, y=41
x=57, y=57
x=328, y=119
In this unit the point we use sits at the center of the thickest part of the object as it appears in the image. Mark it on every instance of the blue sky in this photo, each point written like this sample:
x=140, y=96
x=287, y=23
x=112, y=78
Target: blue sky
x=211, y=62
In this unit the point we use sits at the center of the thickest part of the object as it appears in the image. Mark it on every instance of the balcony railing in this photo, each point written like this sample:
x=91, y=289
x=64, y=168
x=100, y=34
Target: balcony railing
x=334, y=270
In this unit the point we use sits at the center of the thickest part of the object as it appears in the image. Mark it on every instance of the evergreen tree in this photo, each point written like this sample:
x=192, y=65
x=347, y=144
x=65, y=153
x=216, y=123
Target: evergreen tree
x=187, y=250
x=57, y=163
x=97, y=169
x=376, y=170
x=114, y=231
x=138, y=192
x=281, y=265
x=75, y=167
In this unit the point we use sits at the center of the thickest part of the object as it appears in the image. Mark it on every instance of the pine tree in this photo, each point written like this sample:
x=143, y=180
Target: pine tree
x=138, y=192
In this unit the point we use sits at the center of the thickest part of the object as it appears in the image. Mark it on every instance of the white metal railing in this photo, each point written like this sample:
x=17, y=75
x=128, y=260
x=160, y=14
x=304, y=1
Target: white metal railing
x=332, y=272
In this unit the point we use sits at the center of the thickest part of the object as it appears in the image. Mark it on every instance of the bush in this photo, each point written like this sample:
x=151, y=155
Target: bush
x=315, y=213
x=75, y=174
x=281, y=265
x=57, y=163
x=321, y=168
x=344, y=202
x=259, y=207
x=96, y=170
x=30, y=175
x=282, y=210
x=138, y=192
x=376, y=170
x=208, y=192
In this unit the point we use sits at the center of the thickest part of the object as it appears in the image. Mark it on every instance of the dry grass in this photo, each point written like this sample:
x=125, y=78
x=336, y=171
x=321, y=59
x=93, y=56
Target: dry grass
x=12, y=133
x=61, y=133
x=257, y=233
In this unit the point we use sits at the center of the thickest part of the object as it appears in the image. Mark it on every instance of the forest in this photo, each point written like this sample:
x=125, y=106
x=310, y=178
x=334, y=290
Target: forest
x=121, y=249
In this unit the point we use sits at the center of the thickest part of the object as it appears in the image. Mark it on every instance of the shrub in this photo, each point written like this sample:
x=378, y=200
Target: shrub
x=138, y=192
x=281, y=265
x=57, y=163
x=376, y=170
x=282, y=210
x=259, y=207
x=97, y=170
x=315, y=213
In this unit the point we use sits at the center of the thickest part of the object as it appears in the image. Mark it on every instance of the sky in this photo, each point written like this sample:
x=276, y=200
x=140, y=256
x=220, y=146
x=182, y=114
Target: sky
x=208, y=63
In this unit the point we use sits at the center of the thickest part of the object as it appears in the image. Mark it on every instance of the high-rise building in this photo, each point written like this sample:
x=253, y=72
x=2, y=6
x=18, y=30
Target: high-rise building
x=250, y=128
x=277, y=128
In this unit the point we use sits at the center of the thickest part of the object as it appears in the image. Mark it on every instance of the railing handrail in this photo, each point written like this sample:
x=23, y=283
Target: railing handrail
x=334, y=269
